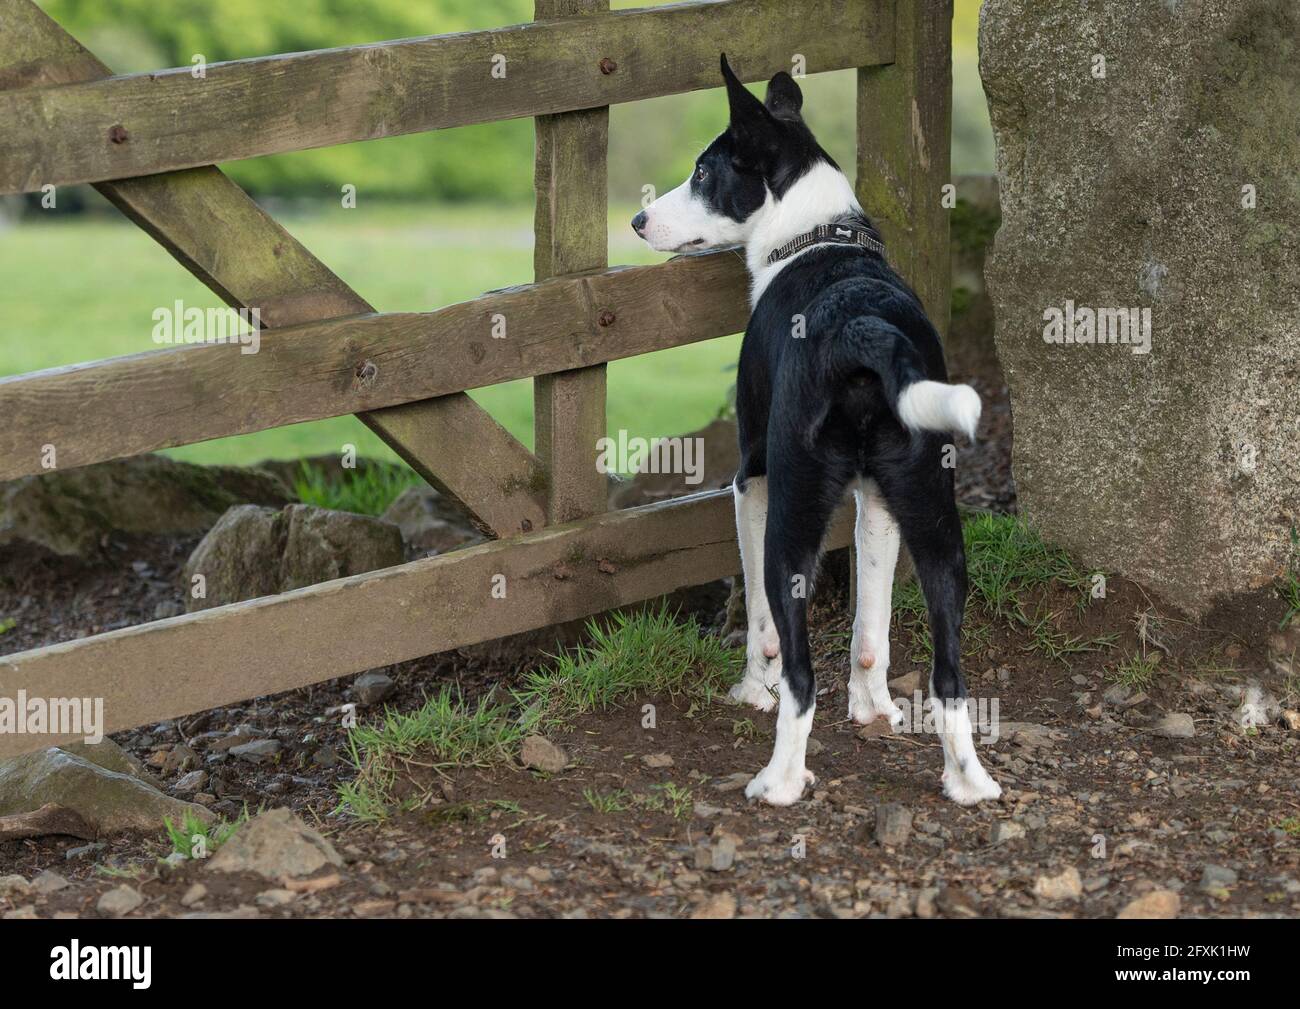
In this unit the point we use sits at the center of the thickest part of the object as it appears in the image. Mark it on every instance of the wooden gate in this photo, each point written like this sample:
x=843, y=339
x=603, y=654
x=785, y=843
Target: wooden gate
x=148, y=142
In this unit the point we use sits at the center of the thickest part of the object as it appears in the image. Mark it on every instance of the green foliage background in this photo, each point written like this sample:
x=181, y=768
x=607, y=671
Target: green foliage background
x=651, y=142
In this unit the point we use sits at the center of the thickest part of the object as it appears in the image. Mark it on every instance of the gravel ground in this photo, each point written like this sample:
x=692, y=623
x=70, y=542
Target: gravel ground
x=1107, y=799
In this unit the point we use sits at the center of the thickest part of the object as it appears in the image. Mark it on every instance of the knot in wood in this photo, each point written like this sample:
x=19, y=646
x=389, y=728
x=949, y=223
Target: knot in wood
x=366, y=373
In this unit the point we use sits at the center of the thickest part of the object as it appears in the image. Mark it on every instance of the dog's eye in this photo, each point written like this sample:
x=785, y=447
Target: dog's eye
x=701, y=173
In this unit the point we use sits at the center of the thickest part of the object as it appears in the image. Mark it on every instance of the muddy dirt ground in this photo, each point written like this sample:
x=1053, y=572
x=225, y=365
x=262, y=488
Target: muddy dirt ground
x=1101, y=806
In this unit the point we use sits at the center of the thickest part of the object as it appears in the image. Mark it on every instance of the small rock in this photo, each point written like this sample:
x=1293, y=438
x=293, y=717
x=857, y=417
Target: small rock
x=1156, y=904
x=11, y=886
x=1216, y=879
x=193, y=895
x=875, y=729
x=326, y=756
x=954, y=902
x=907, y=684
x=275, y=844
x=720, y=905
x=190, y=783
x=925, y=898
x=1066, y=885
x=656, y=760
x=373, y=687
x=1116, y=693
x=893, y=824
x=81, y=851
x=1176, y=725
x=540, y=753
x=716, y=856
x=179, y=758
x=732, y=782
x=119, y=901
x=518, y=881
x=814, y=747
x=1005, y=830
x=48, y=882
x=275, y=898
x=26, y=912
x=257, y=752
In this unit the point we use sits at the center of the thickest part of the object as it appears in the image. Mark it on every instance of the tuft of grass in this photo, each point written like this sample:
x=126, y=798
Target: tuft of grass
x=1005, y=558
x=1290, y=826
x=617, y=801
x=7, y=625
x=1049, y=640
x=668, y=798
x=443, y=732
x=1137, y=672
x=365, y=491
x=184, y=836
x=643, y=652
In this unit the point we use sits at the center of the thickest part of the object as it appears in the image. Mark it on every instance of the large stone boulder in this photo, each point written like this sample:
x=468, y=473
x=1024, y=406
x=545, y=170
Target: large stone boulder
x=72, y=512
x=254, y=551
x=105, y=788
x=1147, y=160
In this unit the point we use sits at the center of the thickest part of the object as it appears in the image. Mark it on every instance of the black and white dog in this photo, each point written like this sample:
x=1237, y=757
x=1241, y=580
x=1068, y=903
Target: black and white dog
x=842, y=385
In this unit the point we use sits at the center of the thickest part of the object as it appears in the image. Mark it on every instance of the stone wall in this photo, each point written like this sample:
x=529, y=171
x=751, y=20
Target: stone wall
x=1149, y=159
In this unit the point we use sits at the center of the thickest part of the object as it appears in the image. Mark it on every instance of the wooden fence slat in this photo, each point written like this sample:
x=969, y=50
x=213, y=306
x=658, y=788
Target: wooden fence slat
x=230, y=653
x=243, y=255
x=904, y=150
x=569, y=228
x=142, y=124
x=184, y=394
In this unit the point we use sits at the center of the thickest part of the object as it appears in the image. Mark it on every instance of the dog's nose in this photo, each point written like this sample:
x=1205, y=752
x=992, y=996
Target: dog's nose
x=638, y=224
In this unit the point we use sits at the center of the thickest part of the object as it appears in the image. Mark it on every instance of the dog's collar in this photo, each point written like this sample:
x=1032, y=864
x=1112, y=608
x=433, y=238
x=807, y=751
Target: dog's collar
x=843, y=234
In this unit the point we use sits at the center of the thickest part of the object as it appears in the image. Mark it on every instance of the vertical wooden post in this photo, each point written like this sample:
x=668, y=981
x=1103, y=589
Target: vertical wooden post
x=904, y=150
x=569, y=228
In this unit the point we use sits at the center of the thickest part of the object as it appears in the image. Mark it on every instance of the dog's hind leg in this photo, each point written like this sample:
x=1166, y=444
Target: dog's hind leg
x=919, y=494
x=876, y=540
x=800, y=500
x=762, y=648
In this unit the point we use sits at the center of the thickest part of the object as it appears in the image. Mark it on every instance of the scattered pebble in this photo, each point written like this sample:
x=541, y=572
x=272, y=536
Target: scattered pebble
x=119, y=901
x=1176, y=725
x=540, y=753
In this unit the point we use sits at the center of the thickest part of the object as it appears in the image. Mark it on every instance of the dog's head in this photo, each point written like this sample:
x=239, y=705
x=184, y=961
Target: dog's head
x=764, y=149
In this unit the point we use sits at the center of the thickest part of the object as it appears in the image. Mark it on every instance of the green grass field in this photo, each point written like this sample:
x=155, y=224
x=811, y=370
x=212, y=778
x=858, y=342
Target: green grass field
x=82, y=289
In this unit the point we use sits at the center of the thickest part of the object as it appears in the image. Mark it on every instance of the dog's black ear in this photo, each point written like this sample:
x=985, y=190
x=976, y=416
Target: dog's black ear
x=784, y=99
x=752, y=125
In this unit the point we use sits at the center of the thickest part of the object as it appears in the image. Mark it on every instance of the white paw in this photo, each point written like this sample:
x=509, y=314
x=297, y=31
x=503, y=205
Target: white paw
x=779, y=786
x=969, y=787
x=864, y=711
x=753, y=692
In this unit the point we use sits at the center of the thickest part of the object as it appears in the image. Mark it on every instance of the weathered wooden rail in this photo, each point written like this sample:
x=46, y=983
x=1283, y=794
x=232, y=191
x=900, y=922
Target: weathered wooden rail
x=148, y=143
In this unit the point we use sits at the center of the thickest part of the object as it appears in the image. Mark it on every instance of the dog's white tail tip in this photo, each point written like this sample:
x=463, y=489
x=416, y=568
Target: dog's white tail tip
x=938, y=406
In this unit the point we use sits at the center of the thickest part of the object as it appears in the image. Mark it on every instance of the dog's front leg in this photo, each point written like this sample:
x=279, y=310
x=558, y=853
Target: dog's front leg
x=762, y=650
